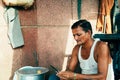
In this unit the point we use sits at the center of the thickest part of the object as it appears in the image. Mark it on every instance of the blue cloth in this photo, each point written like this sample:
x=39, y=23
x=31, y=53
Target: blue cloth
x=53, y=77
x=115, y=14
x=14, y=30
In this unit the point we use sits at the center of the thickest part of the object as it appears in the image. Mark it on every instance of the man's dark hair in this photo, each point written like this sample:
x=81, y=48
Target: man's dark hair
x=84, y=24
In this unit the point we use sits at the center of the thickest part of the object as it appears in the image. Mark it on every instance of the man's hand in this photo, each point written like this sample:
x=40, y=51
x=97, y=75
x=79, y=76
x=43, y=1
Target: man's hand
x=65, y=75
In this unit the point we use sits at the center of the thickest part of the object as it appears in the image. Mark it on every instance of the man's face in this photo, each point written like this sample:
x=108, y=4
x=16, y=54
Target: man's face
x=80, y=35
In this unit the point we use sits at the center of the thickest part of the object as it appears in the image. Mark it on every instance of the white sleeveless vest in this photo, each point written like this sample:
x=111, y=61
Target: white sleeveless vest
x=89, y=66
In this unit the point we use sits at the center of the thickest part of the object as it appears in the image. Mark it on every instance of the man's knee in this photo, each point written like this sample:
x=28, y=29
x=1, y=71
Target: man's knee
x=53, y=77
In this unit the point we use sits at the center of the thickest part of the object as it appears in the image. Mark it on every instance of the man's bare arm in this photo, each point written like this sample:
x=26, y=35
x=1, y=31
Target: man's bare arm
x=74, y=59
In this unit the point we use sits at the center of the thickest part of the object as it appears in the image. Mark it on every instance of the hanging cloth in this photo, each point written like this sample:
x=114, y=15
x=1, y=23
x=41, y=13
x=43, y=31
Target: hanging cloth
x=104, y=21
x=14, y=28
x=116, y=16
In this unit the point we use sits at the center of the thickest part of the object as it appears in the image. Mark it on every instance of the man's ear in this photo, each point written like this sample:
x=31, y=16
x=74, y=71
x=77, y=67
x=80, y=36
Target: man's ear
x=89, y=32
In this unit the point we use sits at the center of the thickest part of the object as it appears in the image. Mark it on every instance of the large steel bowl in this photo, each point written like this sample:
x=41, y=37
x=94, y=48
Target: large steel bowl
x=31, y=73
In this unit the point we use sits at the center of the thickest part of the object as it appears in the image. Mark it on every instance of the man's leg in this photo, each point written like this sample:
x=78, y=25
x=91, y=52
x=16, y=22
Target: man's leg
x=53, y=77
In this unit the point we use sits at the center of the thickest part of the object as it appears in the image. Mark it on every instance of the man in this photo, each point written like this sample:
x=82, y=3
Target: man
x=93, y=56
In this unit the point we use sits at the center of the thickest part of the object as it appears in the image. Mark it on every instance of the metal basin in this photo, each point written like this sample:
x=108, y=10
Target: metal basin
x=31, y=73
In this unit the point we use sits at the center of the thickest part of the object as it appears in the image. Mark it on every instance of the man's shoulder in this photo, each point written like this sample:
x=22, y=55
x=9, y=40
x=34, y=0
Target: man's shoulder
x=102, y=44
x=101, y=47
x=76, y=49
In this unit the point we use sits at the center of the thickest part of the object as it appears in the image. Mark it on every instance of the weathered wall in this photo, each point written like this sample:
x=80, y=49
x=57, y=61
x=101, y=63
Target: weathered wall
x=45, y=29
